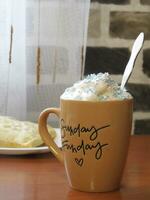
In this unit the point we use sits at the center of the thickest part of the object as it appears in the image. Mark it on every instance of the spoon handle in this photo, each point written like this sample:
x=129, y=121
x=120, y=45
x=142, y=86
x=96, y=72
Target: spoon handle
x=135, y=50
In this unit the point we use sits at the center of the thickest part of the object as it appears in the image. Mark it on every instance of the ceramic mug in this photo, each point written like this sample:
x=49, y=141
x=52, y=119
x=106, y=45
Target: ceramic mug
x=95, y=138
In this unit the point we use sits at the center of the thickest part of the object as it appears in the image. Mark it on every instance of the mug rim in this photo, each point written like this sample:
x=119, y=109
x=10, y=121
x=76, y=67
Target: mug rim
x=98, y=102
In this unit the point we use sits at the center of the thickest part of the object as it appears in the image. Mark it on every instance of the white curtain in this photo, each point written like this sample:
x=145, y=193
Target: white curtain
x=42, y=51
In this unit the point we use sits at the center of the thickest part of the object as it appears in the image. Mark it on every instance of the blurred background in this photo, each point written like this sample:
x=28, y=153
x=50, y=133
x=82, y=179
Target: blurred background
x=47, y=45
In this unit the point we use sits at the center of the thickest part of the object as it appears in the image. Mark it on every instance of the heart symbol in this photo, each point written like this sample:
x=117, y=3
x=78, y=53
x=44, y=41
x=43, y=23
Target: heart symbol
x=79, y=161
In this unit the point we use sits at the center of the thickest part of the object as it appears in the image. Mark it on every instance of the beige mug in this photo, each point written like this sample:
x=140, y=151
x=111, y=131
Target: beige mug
x=95, y=138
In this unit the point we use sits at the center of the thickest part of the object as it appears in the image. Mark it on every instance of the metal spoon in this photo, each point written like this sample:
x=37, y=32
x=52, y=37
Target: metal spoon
x=134, y=53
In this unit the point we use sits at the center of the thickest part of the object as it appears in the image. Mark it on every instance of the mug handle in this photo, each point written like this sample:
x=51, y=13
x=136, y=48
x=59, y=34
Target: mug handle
x=42, y=125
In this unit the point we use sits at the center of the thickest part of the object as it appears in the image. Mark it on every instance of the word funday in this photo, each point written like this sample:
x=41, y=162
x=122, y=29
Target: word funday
x=84, y=147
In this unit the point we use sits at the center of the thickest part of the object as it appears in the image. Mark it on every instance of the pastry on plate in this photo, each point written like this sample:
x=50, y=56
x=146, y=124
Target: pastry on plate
x=15, y=133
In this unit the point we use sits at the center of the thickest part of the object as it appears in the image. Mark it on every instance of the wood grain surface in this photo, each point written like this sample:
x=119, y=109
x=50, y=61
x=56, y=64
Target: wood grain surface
x=42, y=177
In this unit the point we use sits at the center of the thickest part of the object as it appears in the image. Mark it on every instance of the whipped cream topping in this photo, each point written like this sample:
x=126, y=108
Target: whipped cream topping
x=94, y=87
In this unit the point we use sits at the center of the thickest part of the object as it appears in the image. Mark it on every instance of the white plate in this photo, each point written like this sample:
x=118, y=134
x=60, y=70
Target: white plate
x=34, y=150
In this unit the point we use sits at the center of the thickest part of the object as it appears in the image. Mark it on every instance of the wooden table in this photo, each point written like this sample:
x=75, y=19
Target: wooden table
x=42, y=177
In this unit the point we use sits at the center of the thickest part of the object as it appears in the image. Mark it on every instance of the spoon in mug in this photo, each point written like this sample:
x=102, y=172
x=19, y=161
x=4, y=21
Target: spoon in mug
x=134, y=53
